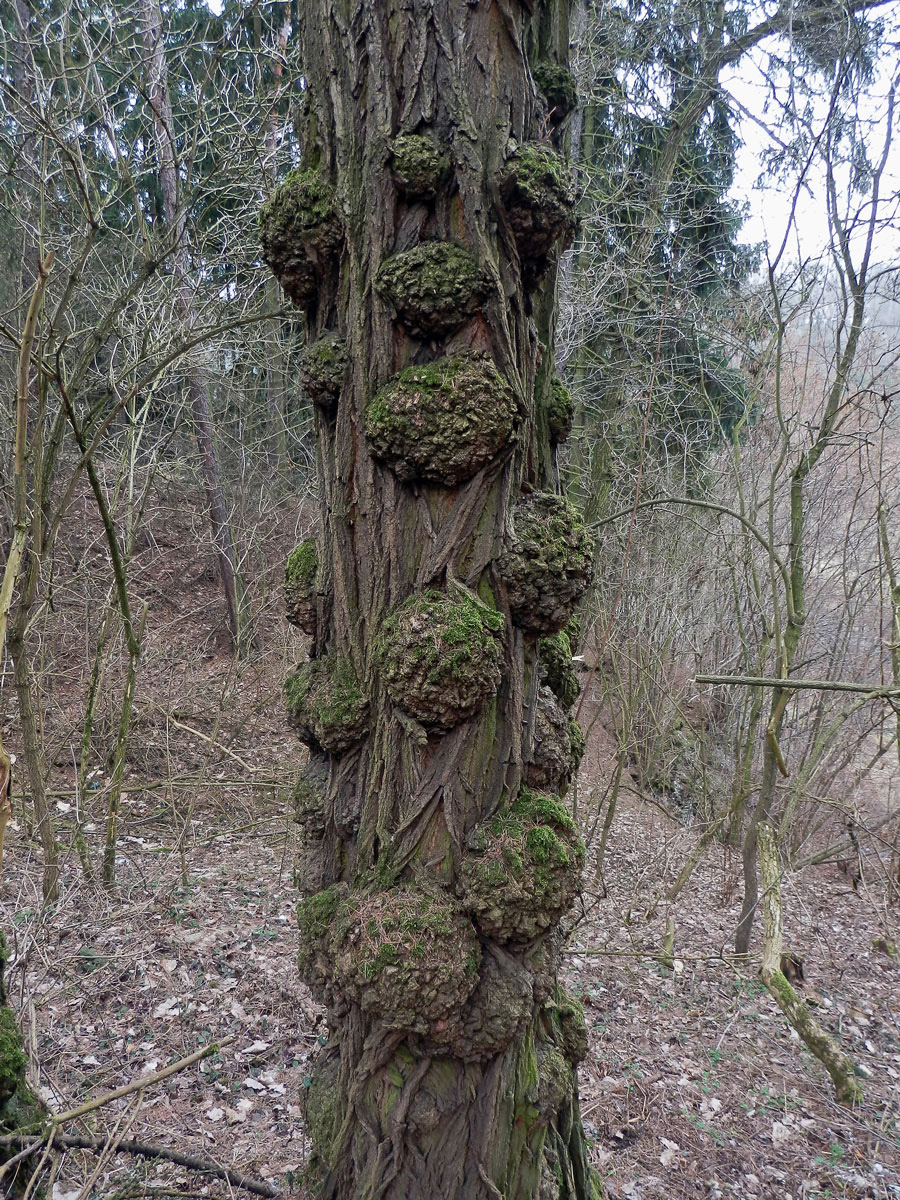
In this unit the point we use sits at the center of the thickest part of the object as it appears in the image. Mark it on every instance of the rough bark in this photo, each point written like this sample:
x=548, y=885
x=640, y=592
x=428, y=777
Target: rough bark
x=435, y=879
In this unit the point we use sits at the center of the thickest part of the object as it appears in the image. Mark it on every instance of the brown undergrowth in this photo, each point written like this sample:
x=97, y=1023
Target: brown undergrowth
x=694, y=1085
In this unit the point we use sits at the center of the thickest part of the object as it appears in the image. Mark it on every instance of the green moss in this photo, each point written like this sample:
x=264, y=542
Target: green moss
x=440, y=656
x=419, y=165
x=547, y=564
x=523, y=870
x=557, y=669
x=558, y=87
x=323, y=367
x=300, y=233
x=539, y=195
x=560, y=410
x=326, y=704
x=302, y=563
x=443, y=421
x=405, y=954
x=435, y=287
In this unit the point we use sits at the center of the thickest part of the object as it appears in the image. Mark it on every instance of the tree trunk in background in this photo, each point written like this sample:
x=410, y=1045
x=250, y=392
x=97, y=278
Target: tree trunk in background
x=163, y=129
x=421, y=236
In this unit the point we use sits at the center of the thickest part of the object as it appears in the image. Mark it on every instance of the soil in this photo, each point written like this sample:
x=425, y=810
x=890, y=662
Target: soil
x=694, y=1085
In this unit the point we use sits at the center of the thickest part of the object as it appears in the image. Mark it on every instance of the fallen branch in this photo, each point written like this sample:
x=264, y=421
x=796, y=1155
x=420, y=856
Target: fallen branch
x=76, y=1141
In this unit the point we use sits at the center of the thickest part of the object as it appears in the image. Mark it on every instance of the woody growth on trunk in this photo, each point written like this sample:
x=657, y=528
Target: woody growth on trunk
x=421, y=236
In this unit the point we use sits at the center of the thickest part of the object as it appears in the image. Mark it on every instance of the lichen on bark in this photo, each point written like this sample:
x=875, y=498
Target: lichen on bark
x=435, y=287
x=547, y=564
x=443, y=421
x=300, y=233
x=440, y=656
x=326, y=704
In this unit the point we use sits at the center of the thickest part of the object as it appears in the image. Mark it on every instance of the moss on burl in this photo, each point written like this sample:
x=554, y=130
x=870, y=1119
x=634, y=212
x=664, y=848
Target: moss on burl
x=323, y=366
x=560, y=411
x=538, y=192
x=558, y=87
x=300, y=572
x=443, y=421
x=547, y=564
x=524, y=869
x=420, y=166
x=557, y=669
x=547, y=768
x=440, y=656
x=300, y=233
x=408, y=955
x=326, y=704
x=435, y=287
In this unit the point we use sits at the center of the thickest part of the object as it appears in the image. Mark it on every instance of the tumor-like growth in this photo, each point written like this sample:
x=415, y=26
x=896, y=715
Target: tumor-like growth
x=309, y=803
x=495, y=1014
x=420, y=166
x=539, y=195
x=557, y=85
x=326, y=704
x=557, y=669
x=547, y=564
x=547, y=768
x=560, y=411
x=300, y=573
x=409, y=956
x=323, y=366
x=576, y=747
x=523, y=870
x=444, y=421
x=300, y=233
x=440, y=656
x=435, y=287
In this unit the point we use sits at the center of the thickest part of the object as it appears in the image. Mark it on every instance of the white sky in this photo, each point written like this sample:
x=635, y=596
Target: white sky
x=771, y=201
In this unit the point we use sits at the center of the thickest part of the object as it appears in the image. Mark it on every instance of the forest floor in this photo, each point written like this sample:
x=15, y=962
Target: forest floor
x=694, y=1085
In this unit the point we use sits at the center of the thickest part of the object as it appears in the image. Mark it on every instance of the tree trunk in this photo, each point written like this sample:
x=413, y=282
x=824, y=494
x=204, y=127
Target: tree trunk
x=164, y=133
x=421, y=236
